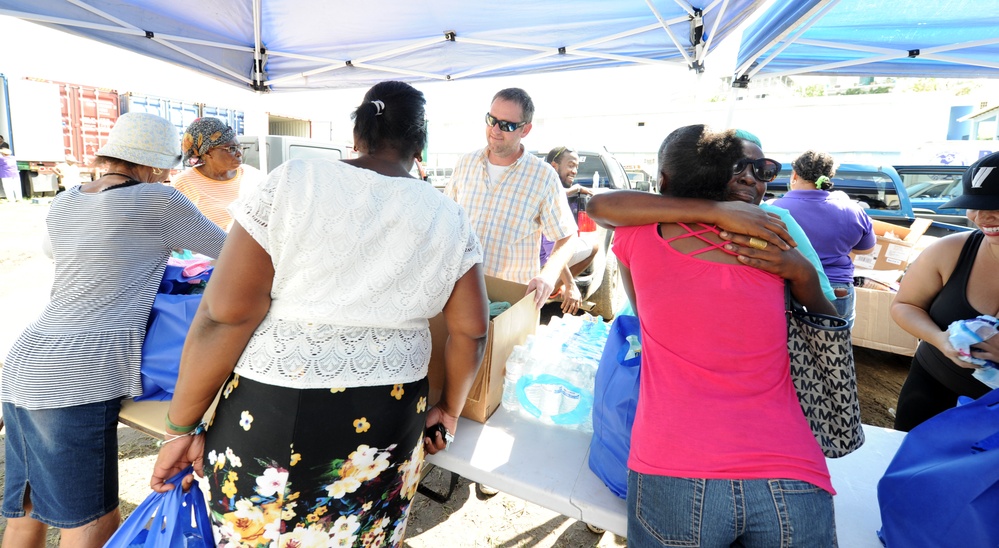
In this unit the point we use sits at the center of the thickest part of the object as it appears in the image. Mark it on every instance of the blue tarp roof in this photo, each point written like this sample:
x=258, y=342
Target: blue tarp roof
x=272, y=45
x=918, y=38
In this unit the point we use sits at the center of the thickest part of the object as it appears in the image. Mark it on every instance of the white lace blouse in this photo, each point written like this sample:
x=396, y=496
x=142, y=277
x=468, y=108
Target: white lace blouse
x=361, y=262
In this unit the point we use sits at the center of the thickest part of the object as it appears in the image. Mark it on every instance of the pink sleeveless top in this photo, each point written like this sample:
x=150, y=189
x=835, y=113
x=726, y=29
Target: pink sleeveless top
x=716, y=399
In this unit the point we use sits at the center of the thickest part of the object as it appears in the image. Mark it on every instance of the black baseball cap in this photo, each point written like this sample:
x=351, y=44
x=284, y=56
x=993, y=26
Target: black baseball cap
x=980, y=184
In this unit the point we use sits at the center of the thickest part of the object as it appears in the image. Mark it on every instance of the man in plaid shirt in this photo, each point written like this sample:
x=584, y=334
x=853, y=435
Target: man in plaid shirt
x=512, y=198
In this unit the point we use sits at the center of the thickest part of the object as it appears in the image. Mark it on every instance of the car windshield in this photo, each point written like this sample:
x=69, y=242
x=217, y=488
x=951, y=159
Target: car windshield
x=593, y=168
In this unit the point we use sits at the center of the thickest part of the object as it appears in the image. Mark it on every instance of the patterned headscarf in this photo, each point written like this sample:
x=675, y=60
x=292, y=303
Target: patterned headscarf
x=201, y=136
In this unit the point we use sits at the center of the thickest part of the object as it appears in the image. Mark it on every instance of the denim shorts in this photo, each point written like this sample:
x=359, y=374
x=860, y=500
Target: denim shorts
x=687, y=512
x=846, y=306
x=65, y=460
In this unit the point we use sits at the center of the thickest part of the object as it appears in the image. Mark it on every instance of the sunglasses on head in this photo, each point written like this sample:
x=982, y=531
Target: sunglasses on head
x=503, y=124
x=764, y=169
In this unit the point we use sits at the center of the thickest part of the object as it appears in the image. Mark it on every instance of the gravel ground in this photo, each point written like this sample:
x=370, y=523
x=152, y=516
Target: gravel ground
x=467, y=519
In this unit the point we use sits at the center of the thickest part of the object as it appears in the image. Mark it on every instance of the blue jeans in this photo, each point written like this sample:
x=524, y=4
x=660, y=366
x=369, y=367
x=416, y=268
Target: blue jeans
x=846, y=306
x=775, y=513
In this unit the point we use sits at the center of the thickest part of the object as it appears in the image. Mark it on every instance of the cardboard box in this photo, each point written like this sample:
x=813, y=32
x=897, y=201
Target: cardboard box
x=874, y=328
x=892, y=253
x=505, y=331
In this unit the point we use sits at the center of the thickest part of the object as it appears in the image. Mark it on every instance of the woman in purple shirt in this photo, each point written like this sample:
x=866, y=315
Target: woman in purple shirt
x=834, y=224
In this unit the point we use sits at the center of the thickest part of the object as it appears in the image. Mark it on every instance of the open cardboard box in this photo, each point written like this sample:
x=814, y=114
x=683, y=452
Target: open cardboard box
x=892, y=253
x=874, y=327
x=505, y=331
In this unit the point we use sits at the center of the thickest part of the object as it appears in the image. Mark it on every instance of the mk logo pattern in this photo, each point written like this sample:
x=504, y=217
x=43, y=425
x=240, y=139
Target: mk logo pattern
x=825, y=378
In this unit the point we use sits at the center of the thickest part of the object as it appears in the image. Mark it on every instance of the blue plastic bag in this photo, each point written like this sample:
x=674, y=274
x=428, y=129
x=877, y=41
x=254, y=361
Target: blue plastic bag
x=174, y=519
x=615, y=399
x=942, y=486
x=169, y=320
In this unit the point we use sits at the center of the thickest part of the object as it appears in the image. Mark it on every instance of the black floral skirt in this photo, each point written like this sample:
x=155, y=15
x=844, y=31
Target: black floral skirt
x=286, y=467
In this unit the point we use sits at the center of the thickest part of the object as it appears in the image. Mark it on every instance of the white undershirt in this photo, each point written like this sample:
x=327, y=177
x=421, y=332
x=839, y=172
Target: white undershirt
x=495, y=172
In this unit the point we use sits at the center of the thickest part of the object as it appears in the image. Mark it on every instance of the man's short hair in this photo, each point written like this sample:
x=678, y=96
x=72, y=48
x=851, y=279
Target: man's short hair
x=556, y=154
x=519, y=96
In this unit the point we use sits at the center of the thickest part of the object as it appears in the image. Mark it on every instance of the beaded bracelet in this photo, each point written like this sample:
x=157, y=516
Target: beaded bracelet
x=167, y=438
x=181, y=429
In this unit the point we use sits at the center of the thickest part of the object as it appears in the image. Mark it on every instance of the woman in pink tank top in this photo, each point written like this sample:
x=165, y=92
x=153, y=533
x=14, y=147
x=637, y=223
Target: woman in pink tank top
x=721, y=453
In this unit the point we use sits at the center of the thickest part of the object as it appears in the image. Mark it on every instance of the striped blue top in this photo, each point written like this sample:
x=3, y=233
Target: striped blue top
x=110, y=250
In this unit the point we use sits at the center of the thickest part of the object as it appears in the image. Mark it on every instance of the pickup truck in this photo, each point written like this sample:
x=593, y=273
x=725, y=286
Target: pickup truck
x=882, y=193
x=599, y=284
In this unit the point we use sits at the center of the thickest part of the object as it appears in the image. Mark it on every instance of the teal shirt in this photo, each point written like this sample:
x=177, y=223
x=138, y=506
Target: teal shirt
x=804, y=246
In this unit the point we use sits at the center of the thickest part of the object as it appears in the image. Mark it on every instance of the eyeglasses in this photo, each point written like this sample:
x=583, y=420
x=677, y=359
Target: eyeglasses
x=503, y=124
x=764, y=169
x=231, y=149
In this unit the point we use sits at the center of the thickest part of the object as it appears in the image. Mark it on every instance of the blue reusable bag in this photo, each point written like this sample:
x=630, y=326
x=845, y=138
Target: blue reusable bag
x=174, y=519
x=615, y=399
x=942, y=486
x=169, y=320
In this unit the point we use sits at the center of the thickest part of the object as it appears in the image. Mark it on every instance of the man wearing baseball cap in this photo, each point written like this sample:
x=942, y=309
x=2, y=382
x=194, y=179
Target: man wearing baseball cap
x=953, y=279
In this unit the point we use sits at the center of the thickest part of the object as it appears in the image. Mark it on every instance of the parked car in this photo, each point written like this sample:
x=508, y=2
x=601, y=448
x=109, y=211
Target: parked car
x=599, y=284
x=931, y=186
x=640, y=179
x=439, y=176
x=879, y=189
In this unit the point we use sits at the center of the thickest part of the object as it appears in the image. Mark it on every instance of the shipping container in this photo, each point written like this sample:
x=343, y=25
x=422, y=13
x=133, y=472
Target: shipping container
x=232, y=118
x=87, y=117
x=291, y=127
x=180, y=113
x=45, y=121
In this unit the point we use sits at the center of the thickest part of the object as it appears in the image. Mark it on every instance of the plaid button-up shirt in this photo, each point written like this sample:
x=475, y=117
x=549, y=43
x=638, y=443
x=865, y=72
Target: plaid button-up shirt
x=509, y=216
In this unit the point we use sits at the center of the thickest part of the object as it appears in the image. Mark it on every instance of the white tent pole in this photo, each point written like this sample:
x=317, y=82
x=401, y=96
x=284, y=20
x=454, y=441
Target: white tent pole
x=130, y=30
x=714, y=27
x=258, y=71
x=794, y=38
x=165, y=41
x=812, y=16
x=665, y=26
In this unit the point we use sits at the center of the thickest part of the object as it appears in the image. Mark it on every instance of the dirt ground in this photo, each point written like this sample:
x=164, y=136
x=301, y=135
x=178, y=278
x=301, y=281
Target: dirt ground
x=467, y=519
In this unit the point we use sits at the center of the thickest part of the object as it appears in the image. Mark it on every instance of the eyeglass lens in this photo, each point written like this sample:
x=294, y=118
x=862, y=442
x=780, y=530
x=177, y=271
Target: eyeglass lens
x=764, y=169
x=504, y=125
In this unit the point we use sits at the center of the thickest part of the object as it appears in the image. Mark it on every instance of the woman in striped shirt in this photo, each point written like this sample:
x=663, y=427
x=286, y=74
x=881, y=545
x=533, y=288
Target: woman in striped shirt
x=67, y=373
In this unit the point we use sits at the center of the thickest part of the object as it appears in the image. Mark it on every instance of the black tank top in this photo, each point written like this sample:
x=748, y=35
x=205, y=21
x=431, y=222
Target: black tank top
x=950, y=305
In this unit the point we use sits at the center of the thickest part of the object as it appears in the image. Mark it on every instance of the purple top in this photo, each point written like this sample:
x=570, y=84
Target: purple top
x=546, y=244
x=835, y=226
x=8, y=167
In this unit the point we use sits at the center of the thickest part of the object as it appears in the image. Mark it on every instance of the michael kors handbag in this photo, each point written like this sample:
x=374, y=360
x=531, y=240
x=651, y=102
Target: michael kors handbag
x=825, y=378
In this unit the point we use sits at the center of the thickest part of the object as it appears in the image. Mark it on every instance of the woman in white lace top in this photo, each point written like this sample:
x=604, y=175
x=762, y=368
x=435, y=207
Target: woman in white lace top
x=316, y=323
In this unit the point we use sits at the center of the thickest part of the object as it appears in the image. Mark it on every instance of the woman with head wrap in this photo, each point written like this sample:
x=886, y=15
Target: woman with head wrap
x=215, y=157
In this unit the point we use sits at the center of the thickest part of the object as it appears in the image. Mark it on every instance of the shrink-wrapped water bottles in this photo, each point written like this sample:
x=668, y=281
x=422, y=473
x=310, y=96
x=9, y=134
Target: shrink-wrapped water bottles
x=550, y=378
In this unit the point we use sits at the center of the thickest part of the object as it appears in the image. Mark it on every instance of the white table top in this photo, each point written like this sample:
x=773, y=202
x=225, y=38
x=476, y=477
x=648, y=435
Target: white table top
x=548, y=466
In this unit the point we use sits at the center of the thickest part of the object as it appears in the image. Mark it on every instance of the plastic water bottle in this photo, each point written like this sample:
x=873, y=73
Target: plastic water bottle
x=514, y=369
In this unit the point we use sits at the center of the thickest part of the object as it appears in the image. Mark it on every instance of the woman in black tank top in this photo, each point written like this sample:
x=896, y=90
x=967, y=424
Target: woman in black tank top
x=953, y=279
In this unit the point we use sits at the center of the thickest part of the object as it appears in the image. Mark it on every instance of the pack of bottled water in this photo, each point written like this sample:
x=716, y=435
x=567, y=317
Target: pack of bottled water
x=550, y=377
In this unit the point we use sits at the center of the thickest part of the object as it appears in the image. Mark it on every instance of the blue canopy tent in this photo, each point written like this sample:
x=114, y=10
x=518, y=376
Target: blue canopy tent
x=287, y=45
x=943, y=38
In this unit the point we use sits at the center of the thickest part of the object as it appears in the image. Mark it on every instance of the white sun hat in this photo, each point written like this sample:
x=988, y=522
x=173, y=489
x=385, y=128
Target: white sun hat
x=144, y=139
